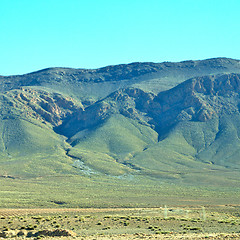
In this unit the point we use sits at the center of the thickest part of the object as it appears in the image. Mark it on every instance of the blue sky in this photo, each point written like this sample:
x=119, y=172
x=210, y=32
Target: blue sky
x=36, y=34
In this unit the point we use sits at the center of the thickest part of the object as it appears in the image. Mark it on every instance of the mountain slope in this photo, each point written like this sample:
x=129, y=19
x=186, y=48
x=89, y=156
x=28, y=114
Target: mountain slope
x=28, y=144
x=167, y=120
x=196, y=123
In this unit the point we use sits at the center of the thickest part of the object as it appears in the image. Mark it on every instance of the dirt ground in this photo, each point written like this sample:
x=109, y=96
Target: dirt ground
x=215, y=222
x=153, y=236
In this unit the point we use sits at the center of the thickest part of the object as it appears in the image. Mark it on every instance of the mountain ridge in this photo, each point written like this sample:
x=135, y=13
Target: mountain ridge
x=219, y=59
x=153, y=77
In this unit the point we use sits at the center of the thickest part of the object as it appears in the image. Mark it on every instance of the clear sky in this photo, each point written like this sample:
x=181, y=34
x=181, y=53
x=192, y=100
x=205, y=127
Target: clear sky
x=36, y=34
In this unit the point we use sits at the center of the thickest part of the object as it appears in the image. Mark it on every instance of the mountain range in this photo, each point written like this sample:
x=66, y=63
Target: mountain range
x=171, y=121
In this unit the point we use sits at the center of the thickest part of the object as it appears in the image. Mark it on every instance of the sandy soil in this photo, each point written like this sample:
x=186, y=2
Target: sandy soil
x=187, y=236
x=218, y=236
x=20, y=212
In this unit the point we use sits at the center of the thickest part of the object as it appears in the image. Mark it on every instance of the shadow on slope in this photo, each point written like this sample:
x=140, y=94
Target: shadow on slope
x=197, y=123
x=107, y=146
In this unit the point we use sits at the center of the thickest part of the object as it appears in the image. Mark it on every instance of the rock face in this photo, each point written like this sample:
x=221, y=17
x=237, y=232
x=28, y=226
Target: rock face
x=198, y=99
x=40, y=105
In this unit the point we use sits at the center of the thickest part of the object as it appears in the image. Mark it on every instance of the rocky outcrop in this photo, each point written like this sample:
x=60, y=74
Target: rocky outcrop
x=43, y=233
x=198, y=99
x=55, y=233
x=49, y=108
x=136, y=72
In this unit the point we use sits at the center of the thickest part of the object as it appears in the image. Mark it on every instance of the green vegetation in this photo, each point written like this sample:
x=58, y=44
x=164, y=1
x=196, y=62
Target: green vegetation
x=66, y=191
x=87, y=138
x=106, y=148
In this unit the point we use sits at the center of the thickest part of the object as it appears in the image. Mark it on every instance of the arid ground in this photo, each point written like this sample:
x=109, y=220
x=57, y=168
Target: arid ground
x=209, y=222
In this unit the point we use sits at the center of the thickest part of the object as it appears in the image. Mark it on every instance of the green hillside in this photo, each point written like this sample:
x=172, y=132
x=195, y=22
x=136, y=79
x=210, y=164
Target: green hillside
x=190, y=129
x=115, y=132
x=107, y=147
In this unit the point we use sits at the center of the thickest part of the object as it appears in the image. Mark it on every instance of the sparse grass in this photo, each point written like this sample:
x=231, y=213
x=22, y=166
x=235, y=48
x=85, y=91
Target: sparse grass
x=104, y=191
x=121, y=221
